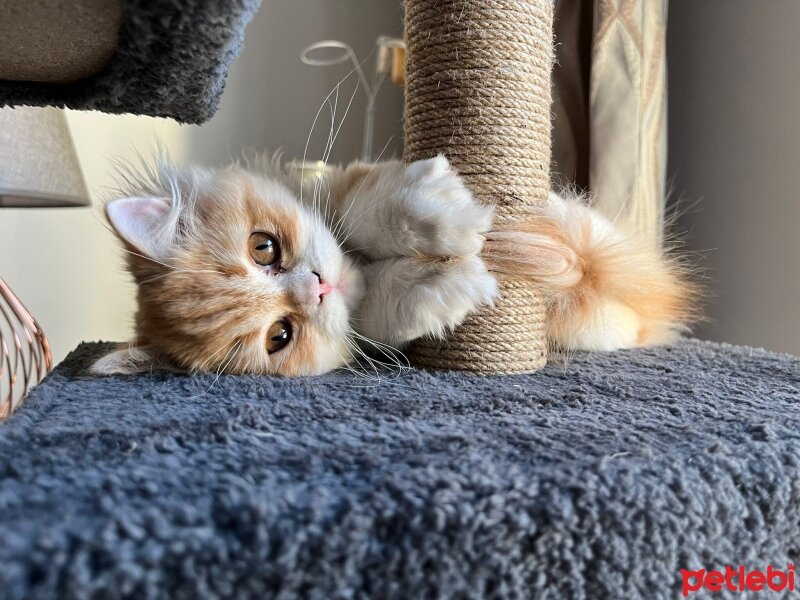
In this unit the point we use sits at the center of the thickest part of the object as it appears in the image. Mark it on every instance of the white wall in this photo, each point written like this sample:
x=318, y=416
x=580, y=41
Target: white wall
x=272, y=97
x=67, y=267
x=63, y=263
x=734, y=147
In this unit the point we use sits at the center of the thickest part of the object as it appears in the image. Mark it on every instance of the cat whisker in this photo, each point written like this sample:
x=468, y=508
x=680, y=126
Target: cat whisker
x=318, y=181
x=170, y=267
x=225, y=363
x=326, y=155
x=375, y=343
x=372, y=364
x=153, y=260
x=347, y=366
x=340, y=223
x=364, y=358
x=375, y=363
x=210, y=359
x=334, y=108
x=348, y=251
x=332, y=135
x=313, y=124
x=398, y=359
x=335, y=134
x=155, y=278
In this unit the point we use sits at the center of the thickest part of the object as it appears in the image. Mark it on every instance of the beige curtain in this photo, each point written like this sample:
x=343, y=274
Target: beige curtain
x=609, y=90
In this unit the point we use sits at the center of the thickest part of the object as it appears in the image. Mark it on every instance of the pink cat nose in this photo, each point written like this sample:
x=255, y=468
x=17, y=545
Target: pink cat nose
x=323, y=287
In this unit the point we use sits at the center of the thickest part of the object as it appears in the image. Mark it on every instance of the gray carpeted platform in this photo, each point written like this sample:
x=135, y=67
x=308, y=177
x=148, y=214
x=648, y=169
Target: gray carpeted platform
x=172, y=60
x=598, y=479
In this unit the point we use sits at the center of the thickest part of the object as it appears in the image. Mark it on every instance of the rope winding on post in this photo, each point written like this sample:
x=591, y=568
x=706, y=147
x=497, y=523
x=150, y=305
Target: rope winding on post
x=478, y=91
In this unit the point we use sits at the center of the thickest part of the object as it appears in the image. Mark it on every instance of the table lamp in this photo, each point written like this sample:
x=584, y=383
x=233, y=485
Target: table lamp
x=39, y=168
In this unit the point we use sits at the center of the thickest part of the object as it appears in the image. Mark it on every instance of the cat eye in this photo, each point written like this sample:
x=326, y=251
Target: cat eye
x=264, y=249
x=278, y=335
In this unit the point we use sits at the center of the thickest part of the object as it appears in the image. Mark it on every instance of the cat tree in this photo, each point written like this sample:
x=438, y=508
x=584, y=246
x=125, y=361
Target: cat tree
x=478, y=91
x=626, y=467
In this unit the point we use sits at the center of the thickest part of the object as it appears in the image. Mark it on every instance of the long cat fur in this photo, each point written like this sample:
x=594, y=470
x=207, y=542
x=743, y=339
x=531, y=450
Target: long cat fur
x=410, y=251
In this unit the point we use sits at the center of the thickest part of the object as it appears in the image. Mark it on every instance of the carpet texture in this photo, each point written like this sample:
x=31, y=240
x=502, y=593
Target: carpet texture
x=596, y=478
x=171, y=61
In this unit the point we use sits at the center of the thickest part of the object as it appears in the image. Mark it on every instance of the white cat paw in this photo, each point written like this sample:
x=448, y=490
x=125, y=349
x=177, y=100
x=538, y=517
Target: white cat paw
x=447, y=293
x=410, y=298
x=443, y=294
x=439, y=216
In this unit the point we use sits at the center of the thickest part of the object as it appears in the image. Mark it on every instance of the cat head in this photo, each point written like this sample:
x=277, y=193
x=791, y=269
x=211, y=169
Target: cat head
x=233, y=274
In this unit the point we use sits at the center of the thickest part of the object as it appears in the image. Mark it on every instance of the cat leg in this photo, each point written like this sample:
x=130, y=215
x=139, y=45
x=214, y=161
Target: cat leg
x=393, y=209
x=409, y=298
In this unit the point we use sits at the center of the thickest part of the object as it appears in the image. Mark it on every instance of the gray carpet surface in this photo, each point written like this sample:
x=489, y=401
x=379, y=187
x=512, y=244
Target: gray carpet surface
x=600, y=477
x=172, y=61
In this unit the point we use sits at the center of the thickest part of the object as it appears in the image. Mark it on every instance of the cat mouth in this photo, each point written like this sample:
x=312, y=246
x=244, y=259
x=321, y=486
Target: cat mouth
x=323, y=287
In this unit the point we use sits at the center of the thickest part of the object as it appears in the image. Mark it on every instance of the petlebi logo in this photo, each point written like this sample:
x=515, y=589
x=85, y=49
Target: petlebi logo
x=739, y=579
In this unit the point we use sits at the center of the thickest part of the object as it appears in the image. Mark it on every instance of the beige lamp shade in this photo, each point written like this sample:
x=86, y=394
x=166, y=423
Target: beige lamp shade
x=38, y=163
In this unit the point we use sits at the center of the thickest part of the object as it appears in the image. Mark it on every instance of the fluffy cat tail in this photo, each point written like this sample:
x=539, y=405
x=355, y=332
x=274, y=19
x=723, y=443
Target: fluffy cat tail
x=608, y=289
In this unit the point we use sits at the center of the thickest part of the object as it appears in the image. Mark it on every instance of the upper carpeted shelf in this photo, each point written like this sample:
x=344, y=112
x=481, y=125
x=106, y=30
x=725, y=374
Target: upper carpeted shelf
x=164, y=58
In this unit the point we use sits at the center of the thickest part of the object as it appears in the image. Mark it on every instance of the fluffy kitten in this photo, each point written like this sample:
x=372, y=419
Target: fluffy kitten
x=245, y=270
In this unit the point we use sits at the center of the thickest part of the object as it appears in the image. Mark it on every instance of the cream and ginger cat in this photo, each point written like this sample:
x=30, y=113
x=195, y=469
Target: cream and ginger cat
x=245, y=270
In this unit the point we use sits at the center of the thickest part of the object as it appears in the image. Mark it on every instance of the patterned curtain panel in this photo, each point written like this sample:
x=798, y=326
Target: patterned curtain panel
x=610, y=106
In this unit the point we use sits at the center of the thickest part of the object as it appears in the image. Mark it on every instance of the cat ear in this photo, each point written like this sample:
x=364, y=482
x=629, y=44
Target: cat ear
x=147, y=224
x=128, y=360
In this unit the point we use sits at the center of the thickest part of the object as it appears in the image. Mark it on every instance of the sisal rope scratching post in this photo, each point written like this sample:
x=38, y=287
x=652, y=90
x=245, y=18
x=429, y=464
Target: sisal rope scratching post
x=478, y=91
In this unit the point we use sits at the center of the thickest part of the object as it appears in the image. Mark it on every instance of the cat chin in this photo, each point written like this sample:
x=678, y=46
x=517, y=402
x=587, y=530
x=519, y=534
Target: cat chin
x=330, y=356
